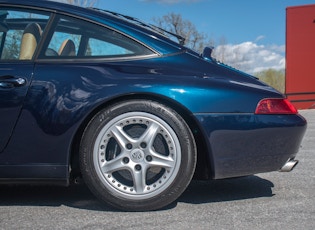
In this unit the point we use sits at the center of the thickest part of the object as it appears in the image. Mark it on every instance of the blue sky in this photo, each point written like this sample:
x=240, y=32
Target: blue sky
x=255, y=29
x=237, y=20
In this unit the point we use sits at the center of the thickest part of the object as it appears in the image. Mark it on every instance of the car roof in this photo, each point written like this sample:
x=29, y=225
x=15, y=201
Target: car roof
x=56, y=7
x=132, y=26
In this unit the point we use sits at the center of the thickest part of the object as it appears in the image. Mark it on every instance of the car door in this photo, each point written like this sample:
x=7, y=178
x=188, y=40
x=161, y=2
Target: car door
x=19, y=36
x=14, y=82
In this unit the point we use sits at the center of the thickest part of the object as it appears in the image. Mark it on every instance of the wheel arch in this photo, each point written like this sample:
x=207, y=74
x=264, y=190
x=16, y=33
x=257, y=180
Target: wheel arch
x=203, y=168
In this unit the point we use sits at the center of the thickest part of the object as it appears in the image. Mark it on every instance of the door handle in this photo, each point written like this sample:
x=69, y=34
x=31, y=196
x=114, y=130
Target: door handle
x=11, y=82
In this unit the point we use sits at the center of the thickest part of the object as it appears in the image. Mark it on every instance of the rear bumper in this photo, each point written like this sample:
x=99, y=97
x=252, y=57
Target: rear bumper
x=246, y=144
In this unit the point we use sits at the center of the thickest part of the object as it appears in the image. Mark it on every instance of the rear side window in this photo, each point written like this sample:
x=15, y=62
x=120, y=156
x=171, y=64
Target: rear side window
x=74, y=38
x=98, y=47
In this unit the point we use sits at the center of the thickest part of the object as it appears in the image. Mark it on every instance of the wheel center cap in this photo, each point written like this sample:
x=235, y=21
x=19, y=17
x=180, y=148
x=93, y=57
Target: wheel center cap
x=137, y=155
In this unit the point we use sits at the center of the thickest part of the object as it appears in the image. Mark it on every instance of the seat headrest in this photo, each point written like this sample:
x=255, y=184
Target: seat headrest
x=67, y=48
x=30, y=39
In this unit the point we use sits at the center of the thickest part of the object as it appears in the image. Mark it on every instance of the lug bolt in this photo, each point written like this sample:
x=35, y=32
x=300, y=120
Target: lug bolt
x=129, y=146
x=148, y=158
x=126, y=160
x=138, y=167
x=143, y=145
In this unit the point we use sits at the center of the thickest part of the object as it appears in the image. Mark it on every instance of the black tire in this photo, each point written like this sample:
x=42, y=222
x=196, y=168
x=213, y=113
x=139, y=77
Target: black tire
x=137, y=155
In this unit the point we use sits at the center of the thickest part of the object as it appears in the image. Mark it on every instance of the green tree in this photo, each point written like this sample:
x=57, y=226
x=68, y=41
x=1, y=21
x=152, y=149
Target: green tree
x=274, y=78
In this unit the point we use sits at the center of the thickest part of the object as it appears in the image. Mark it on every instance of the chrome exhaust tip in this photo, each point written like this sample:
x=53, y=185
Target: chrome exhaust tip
x=289, y=166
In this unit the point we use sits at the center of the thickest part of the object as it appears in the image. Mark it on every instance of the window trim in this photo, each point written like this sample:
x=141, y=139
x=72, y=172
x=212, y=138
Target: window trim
x=96, y=59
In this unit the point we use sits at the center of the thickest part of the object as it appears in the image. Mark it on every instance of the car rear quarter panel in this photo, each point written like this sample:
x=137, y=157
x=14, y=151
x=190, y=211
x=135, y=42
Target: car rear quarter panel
x=245, y=144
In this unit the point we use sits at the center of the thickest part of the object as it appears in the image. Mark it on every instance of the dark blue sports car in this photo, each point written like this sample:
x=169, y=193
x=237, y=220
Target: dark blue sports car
x=100, y=95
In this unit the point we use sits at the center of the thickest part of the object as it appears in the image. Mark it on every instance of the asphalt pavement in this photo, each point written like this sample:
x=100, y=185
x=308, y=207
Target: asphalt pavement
x=263, y=201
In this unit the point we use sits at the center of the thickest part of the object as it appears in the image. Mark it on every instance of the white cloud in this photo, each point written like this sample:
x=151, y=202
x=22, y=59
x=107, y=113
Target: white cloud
x=251, y=57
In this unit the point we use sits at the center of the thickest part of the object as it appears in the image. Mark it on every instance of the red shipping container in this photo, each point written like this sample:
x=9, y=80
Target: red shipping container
x=300, y=56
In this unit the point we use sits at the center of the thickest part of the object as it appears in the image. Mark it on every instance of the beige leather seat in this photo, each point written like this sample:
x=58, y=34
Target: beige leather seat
x=67, y=48
x=30, y=39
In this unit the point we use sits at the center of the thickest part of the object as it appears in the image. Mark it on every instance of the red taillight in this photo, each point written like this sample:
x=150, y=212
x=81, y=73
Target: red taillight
x=275, y=106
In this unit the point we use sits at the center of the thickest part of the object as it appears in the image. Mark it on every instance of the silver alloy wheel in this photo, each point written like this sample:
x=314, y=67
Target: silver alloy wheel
x=137, y=155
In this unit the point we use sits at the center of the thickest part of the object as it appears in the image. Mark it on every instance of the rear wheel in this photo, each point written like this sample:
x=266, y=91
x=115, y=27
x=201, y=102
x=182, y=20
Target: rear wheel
x=137, y=155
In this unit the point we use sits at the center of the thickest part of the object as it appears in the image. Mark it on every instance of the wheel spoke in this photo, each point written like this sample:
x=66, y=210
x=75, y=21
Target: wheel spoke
x=149, y=135
x=161, y=161
x=113, y=165
x=139, y=178
x=121, y=137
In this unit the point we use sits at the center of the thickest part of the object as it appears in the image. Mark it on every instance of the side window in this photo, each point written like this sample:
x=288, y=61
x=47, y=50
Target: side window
x=75, y=38
x=12, y=44
x=63, y=44
x=98, y=47
x=21, y=31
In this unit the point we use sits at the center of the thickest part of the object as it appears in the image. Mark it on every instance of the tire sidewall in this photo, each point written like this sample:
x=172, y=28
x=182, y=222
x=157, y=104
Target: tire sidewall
x=186, y=168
